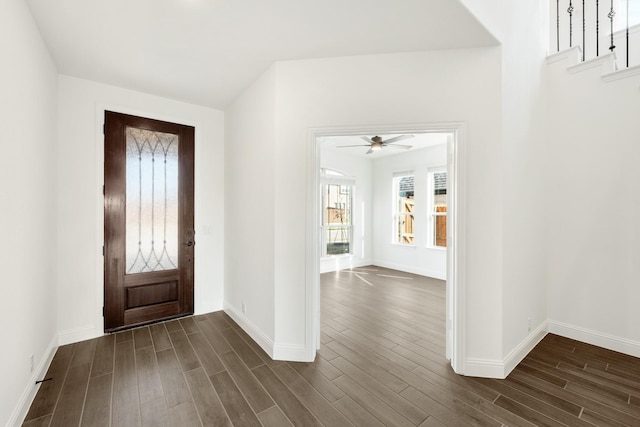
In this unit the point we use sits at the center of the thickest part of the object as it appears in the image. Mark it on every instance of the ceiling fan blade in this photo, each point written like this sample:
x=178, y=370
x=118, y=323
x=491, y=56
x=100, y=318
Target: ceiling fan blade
x=396, y=139
x=366, y=138
x=369, y=152
x=345, y=146
x=404, y=147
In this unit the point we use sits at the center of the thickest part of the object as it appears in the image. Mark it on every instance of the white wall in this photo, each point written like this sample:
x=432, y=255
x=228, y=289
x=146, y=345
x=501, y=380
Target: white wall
x=418, y=258
x=570, y=202
x=521, y=28
x=524, y=241
x=424, y=87
x=360, y=169
x=80, y=202
x=395, y=89
x=592, y=205
x=28, y=84
x=249, y=209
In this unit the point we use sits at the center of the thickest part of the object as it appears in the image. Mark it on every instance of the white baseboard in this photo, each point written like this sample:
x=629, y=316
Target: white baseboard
x=250, y=328
x=331, y=264
x=29, y=393
x=610, y=342
x=484, y=368
x=494, y=368
x=413, y=270
x=521, y=350
x=291, y=353
x=204, y=307
x=79, y=334
x=277, y=351
x=489, y=368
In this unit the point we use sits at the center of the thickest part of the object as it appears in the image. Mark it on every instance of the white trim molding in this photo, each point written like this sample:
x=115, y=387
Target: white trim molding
x=251, y=329
x=26, y=399
x=521, y=350
x=484, y=368
x=495, y=368
x=79, y=334
x=456, y=289
x=456, y=292
x=606, y=62
x=290, y=352
x=410, y=269
x=573, y=54
x=624, y=73
x=275, y=350
x=331, y=264
x=600, y=339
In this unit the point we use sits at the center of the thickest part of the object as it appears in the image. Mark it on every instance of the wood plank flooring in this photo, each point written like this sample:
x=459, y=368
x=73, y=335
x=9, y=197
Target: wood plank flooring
x=381, y=363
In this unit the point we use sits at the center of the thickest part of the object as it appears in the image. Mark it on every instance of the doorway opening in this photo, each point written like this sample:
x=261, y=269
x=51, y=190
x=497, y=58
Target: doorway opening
x=407, y=216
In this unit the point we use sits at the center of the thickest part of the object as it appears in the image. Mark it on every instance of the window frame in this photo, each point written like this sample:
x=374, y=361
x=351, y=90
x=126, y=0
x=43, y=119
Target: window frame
x=431, y=213
x=334, y=177
x=396, y=236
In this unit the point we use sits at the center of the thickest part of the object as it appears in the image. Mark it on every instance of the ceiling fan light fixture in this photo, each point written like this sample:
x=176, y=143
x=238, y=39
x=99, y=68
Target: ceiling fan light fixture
x=376, y=143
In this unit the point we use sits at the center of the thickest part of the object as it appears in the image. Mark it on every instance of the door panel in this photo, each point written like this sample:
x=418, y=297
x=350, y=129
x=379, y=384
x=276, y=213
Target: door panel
x=149, y=236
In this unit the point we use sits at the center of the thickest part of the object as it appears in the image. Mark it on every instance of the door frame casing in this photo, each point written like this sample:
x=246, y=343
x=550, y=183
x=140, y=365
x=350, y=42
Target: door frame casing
x=97, y=329
x=455, y=284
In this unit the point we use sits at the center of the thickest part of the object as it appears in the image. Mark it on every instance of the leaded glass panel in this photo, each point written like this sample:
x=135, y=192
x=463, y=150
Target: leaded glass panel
x=152, y=201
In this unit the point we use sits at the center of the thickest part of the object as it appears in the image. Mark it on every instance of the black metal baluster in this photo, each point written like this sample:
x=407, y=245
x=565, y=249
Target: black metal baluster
x=627, y=34
x=584, y=29
x=558, y=24
x=611, y=14
x=597, y=28
x=570, y=10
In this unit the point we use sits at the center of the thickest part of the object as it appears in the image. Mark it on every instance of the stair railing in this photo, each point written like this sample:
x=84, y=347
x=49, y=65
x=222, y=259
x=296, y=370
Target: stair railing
x=591, y=10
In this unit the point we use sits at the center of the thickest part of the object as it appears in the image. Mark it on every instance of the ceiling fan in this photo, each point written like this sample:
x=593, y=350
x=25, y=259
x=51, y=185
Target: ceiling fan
x=377, y=143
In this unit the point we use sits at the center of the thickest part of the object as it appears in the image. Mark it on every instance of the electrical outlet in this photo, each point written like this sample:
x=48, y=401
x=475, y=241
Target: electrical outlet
x=31, y=363
x=244, y=308
x=529, y=324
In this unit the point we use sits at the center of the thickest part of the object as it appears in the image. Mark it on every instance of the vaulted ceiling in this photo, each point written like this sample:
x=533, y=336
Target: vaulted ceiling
x=207, y=52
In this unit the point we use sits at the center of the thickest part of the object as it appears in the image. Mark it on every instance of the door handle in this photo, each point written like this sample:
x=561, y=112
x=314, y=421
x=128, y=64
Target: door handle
x=190, y=234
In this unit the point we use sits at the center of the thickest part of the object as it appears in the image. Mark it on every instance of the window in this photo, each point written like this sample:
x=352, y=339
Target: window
x=438, y=208
x=403, y=220
x=337, y=199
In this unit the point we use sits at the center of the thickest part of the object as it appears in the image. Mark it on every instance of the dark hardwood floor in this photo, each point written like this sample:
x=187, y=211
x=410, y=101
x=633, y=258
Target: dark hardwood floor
x=381, y=363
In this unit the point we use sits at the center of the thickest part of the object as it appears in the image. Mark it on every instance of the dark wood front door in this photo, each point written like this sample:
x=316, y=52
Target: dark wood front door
x=148, y=214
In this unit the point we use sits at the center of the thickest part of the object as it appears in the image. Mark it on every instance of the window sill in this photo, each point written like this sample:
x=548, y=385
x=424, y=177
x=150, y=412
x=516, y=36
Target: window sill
x=437, y=248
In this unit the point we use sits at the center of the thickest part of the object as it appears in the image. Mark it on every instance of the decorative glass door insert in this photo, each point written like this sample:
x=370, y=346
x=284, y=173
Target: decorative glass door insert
x=151, y=201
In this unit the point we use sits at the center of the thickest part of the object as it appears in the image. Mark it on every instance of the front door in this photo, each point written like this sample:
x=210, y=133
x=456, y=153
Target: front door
x=148, y=214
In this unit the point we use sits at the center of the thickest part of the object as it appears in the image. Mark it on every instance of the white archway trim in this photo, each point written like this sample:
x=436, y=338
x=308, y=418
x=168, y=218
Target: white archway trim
x=456, y=152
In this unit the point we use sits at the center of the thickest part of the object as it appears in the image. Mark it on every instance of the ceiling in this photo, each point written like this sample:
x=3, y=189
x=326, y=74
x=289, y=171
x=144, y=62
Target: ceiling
x=418, y=142
x=207, y=52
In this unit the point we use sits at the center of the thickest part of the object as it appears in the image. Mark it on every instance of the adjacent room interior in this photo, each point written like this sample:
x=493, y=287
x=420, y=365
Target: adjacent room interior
x=385, y=207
